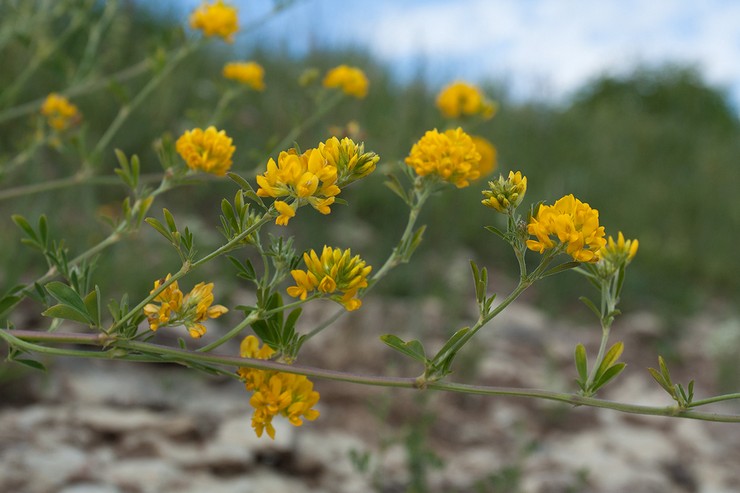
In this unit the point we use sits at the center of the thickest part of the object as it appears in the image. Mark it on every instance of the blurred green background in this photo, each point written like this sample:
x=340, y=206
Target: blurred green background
x=657, y=152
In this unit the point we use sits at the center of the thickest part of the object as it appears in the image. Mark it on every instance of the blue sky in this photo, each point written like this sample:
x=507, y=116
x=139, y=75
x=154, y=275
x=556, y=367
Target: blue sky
x=542, y=49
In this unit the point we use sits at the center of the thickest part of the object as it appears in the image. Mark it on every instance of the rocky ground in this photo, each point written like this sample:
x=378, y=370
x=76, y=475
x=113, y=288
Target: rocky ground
x=110, y=427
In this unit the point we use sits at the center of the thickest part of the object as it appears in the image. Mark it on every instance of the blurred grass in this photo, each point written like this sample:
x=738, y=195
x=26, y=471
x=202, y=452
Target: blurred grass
x=656, y=151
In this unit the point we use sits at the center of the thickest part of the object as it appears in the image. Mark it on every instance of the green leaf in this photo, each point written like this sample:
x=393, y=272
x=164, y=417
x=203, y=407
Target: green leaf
x=452, y=346
x=22, y=223
x=611, y=357
x=497, y=232
x=664, y=371
x=591, y=305
x=67, y=296
x=581, y=363
x=395, y=185
x=66, y=312
x=92, y=303
x=561, y=268
x=31, y=363
x=154, y=223
x=413, y=348
x=7, y=302
x=609, y=374
x=170, y=220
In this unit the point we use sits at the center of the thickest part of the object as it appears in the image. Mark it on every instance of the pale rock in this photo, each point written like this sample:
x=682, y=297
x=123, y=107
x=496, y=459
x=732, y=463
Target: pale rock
x=144, y=475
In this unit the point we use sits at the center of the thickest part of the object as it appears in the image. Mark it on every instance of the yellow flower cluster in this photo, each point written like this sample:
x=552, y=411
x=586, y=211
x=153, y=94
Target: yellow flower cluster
x=573, y=223
x=616, y=254
x=351, y=80
x=460, y=98
x=190, y=310
x=314, y=176
x=250, y=74
x=209, y=151
x=452, y=156
x=59, y=112
x=350, y=159
x=506, y=195
x=275, y=392
x=336, y=271
x=216, y=19
x=487, y=155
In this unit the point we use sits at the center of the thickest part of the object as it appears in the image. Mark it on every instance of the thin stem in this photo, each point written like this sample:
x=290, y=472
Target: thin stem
x=16, y=337
x=296, y=131
x=250, y=319
x=125, y=111
x=719, y=398
x=222, y=104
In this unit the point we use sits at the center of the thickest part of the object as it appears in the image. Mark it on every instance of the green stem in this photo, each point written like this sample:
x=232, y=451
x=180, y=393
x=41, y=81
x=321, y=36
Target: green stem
x=223, y=102
x=125, y=111
x=719, y=398
x=16, y=337
x=83, y=88
x=8, y=95
x=250, y=319
x=296, y=131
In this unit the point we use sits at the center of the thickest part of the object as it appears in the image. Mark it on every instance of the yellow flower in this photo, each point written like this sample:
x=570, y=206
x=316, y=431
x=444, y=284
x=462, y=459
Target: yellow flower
x=349, y=158
x=216, y=19
x=274, y=392
x=487, y=155
x=248, y=73
x=170, y=300
x=506, y=195
x=616, y=254
x=286, y=212
x=190, y=310
x=452, y=156
x=307, y=177
x=336, y=273
x=59, y=112
x=351, y=80
x=209, y=151
x=573, y=223
x=461, y=98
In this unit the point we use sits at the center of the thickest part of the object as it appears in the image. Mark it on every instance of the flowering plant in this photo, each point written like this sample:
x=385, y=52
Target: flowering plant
x=566, y=236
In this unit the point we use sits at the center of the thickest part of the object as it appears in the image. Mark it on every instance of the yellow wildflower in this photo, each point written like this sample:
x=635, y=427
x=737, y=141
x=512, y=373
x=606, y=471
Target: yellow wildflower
x=209, y=151
x=573, y=223
x=616, y=254
x=216, y=19
x=250, y=74
x=59, y=112
x=506, y=195
x=190, y=310
x=307, y=177
x=351, y=80
x=170, y=300
x=335, y=273
x=286, y=212
x=463, y=99
x=487, y=155
x=275, y=393
x=452, y=156
x=350, y=159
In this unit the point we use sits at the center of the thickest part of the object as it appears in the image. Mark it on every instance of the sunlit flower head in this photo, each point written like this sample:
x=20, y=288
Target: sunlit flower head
x=451, y=156
x=275, y=393
x=570, y=223
x=216, y=19
x=463, y=99
x=209, y=151
x=308, y=178
x=250, y=74
x=350, y=159
x=335, y=273
x=351, y=80
x=487, y=155
x=59, y=112
x=171, y=308
x=505, y=195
